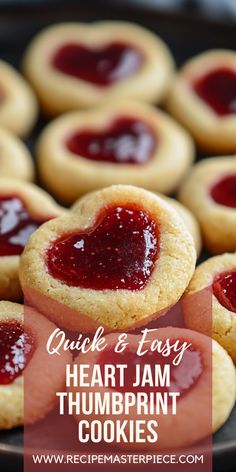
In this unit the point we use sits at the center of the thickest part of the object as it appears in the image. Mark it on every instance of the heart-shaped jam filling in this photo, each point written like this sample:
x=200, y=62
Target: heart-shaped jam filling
x=127, y=141
x=102, y=66
x=119, y=252
x=224, y=289
x=218, y=90
x=16, y=225
x=16, y=349
x=224, y=191
x=183, y=377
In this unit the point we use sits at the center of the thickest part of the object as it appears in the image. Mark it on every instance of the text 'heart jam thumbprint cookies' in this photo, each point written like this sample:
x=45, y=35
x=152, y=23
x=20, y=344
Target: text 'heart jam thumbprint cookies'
x=203, y=98
x=74, y=65
x=209, y=192
x=24, y=362
x=204, y=380
x=23, y=208
x=15, y=159
x=219, y=275
x=18, y=105
x=123, y=143
x=120, y=259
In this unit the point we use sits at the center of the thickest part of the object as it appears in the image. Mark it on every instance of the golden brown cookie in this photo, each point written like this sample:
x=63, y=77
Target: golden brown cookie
x=123, y=257
x=203, y=99
x=224, y=386
x=189, y=220
x=75, y=65
x=219, y=275
x=123, y=143
x=186, y=215
x=15, y=159
x=209, y=191
x=18, y=105
x=23, y=337
x=23, y=207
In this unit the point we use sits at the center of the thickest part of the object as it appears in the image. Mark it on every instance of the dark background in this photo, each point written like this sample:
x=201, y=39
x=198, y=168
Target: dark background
x=212, y=8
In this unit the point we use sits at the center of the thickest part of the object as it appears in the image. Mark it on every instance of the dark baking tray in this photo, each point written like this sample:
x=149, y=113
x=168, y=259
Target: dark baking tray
x=186, y=35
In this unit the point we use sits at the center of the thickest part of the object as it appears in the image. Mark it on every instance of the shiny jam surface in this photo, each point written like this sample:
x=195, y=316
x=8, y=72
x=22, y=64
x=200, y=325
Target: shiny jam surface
x=224, y=191
x=102, y=66
x=119, y=252
x=16, y=225
x=218, y=90
x=183, y=377
x=16, y=348
x=224, y=289
x=127, y=141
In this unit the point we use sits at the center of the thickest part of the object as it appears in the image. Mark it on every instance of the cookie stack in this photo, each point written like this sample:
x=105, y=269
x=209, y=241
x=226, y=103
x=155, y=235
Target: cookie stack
x=124, y=253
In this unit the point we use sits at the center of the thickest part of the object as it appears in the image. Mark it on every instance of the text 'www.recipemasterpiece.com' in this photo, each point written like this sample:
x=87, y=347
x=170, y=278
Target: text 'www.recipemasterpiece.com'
x=117, y=459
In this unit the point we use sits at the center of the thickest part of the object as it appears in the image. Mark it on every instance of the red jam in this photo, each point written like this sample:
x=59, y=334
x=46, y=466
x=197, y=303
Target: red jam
x=127, y=141
x=16, y=225
x=224, y=191
x=224, y=289
x=16, y=348
x=183, y=377
x=118, y=253
x=102, y=66
x=218, y=90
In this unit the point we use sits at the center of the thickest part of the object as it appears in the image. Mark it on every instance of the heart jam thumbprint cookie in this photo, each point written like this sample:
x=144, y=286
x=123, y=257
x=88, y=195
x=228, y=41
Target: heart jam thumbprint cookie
x=23, y=208
x=219, y=275
x=23, y=336
x=203, y=98
x=121, y=258
x=15, y=159
x=209, y=192
x=122, y=143
x=89, y=64
x=147, y=421
x=18, y=105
